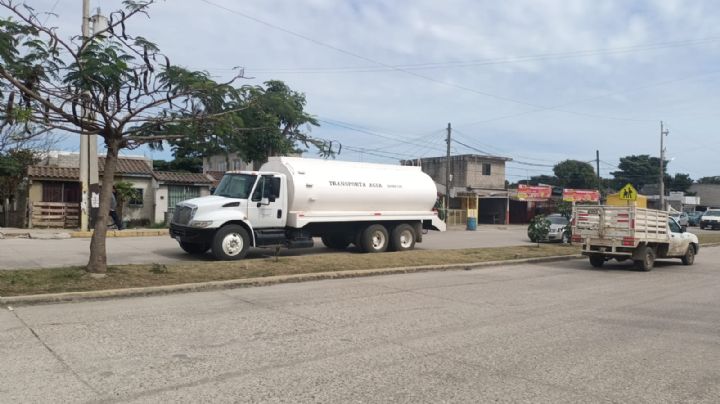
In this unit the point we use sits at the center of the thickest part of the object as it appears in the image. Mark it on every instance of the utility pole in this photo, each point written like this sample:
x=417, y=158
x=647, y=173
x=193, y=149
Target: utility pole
x=89, y=180
x=85, y=141
x=663, y=132
x=447, y=172
x=597, y=168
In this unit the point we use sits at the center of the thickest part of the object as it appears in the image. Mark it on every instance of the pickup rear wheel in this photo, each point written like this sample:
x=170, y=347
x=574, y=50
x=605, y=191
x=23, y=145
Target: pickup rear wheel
x=402, y=238
x=597, y=260
x=231, y=242
x=648, y=260
x=374, y=239
x=689, y=257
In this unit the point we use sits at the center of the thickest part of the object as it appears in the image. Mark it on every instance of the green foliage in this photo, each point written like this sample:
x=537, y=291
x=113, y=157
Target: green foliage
x=680, y=182
x=575, y=174
x=265, y=121
x=180, y=164
x=538, y=229
x=565, y=208
x=638, y=170
x=709, y=180
x=13, y=168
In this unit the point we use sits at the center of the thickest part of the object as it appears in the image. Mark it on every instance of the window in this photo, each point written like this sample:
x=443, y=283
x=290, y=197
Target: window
x=267, y=187
x=137, y=198
x=486, y=168
x=61, y=192
x=674, y=227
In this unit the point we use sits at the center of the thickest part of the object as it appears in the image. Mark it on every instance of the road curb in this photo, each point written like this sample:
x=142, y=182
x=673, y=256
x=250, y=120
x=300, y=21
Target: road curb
x=254, y=282
x=123, y=233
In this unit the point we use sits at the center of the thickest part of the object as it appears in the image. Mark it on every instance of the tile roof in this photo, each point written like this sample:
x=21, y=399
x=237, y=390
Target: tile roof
x=125, y=166
x=128, y=166
x=170, y=177
x=52, y=172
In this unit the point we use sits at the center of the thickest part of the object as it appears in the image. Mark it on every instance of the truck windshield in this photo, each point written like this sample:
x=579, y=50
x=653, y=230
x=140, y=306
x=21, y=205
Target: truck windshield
x=236, y=186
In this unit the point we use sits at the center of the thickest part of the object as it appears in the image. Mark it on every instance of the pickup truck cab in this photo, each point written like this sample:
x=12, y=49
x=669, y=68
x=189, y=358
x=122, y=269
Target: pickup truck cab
x=623, y=233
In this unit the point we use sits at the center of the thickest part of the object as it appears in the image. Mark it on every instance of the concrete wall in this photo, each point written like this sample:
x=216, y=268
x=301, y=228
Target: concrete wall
x=709, y=194
x=145, y=211
x=220, y=162
x=467, y=171
x=161, y=204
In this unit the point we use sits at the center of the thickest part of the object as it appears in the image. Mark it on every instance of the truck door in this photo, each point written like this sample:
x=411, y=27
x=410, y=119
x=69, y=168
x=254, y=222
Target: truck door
x=268, y=203
x=678, y=240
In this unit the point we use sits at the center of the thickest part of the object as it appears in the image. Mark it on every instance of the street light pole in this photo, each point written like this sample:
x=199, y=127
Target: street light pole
x=663, y=132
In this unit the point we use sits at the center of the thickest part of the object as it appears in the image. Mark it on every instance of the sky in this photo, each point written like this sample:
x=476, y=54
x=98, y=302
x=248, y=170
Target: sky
x=539, y=81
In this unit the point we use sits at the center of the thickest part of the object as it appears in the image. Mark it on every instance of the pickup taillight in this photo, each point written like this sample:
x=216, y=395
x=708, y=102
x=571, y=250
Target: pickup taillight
x=576, y=238
x=628, y=241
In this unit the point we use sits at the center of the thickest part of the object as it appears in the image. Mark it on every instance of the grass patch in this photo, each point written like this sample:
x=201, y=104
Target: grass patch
x=74, y=279
x=708, y=238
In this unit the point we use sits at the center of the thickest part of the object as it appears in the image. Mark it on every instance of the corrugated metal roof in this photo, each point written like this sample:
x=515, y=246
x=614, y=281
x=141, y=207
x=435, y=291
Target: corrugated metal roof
x=182, y=178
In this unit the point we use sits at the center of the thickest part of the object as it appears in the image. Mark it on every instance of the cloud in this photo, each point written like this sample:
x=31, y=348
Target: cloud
x=636, y=70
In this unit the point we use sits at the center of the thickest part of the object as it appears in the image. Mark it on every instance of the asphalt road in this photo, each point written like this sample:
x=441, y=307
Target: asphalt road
x=560, y=332
x=37, y=253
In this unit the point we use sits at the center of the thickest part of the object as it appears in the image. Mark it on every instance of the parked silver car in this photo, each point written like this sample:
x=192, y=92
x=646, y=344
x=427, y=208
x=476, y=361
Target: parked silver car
x=681, y=217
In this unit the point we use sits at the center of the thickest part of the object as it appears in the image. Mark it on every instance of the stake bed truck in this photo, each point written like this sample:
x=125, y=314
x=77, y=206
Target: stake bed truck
x=623, y=233
x=291, y=200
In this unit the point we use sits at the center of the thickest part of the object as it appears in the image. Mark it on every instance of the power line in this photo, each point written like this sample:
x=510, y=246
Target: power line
x=481, y=62
x=409, y=72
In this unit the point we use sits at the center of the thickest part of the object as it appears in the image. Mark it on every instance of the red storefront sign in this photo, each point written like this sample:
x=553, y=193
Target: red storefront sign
x=581, y=195
x=533, y=193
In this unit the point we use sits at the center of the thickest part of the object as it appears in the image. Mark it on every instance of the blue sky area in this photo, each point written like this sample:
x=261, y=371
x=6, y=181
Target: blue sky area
x=536, y=80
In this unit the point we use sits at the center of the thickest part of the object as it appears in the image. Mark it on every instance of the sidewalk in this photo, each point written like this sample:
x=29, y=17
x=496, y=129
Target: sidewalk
x=59, y=234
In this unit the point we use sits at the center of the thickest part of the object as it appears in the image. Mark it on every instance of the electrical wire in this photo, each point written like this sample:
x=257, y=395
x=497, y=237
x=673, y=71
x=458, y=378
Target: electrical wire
x=412, y=73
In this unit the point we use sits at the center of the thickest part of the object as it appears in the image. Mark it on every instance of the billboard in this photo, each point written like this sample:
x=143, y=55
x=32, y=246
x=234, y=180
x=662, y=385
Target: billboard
x=581, y=195
x=533, y=193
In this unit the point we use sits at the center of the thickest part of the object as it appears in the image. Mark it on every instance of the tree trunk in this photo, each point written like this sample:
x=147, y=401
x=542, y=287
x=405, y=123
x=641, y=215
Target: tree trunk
x=98, y=253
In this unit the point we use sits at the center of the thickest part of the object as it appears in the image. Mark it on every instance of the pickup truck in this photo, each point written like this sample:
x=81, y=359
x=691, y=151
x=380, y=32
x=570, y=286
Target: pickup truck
x=623, y=233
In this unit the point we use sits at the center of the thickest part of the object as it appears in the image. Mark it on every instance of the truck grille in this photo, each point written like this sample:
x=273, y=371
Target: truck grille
x=182, y=214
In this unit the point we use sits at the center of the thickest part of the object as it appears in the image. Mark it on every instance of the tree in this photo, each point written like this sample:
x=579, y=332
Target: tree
x=709, y=180
x=638, y=170
x=575, y=174
x=268, y=121
x=180, y=164
x=680, y=182
x=112, y=84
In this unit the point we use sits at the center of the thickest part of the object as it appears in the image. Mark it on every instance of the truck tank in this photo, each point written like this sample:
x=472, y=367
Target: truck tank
x=316, y=186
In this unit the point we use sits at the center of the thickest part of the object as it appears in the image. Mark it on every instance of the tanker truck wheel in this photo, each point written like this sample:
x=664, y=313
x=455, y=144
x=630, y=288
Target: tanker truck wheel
x=374, y=239
x=335, y=241
x=402, y=238
x=231, y=242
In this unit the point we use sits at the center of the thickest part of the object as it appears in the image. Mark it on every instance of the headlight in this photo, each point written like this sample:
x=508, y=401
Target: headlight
x=201, y=223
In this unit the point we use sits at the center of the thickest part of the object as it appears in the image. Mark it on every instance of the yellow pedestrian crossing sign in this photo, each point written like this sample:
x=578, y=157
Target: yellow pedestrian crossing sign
x=628, y=193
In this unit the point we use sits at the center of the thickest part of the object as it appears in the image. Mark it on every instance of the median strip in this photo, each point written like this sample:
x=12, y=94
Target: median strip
x=259, y=271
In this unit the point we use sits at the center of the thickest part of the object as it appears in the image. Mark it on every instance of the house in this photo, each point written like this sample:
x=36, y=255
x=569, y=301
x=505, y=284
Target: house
x=54, y=190
x=173, y=187
x=477, y=185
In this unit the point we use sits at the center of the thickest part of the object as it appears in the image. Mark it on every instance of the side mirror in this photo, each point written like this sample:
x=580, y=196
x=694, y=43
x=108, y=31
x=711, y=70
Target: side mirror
x=271, y=199
x=684, y=229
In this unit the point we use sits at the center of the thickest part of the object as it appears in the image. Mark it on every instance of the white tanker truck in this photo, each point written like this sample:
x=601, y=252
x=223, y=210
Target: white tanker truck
x=291, y=200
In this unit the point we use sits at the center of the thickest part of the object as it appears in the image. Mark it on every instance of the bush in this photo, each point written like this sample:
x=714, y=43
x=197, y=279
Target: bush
x=539, y=229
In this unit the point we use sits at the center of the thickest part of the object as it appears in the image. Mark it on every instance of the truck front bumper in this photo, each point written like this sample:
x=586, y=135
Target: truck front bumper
x=187, y=234
x=710, y=223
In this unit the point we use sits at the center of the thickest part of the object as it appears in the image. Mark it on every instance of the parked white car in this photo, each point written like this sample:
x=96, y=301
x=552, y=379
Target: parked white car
x=710, y=219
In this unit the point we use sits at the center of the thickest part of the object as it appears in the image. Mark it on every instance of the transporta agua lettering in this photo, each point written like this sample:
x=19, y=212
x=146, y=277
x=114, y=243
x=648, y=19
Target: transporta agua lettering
x=361, y=184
